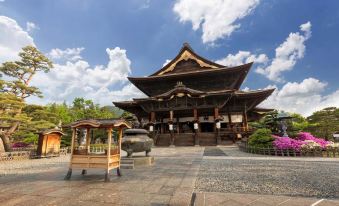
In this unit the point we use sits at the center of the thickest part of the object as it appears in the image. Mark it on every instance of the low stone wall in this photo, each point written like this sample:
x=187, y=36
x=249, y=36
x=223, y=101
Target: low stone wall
x=334, y=152
x=26, y=153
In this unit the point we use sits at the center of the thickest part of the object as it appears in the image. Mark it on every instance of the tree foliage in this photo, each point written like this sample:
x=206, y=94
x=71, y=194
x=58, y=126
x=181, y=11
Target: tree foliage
x=17, y=88
x=324, y=123
x=261, y=138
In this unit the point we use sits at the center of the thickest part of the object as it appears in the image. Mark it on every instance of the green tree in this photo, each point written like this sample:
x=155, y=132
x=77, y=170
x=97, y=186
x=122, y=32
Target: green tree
x=261, y=138
x=324, y=122
x=18, y=88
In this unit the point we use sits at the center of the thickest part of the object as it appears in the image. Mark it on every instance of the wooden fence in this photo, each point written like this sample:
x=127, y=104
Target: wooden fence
x=316, y=152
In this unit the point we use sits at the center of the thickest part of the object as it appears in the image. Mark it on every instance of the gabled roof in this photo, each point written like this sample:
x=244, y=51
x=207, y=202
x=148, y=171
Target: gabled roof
x=203, y=80
x=186, y=54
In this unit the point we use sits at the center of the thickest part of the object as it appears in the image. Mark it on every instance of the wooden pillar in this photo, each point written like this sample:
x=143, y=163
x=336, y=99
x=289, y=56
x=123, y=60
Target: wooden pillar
x=119, y=143
x=109, y=142
x=245, y=121
x=88, y=139
x=231, y=126
x=69, y=173
x=171, y=116
x=152, y=117
x=196, y=131
x=171, y=131
x=216, y=119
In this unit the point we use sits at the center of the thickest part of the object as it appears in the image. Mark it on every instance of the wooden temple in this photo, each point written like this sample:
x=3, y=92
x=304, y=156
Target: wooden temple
x=194, y=101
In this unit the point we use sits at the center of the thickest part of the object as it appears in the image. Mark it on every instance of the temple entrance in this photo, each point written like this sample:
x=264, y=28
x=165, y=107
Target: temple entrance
x=206, y=126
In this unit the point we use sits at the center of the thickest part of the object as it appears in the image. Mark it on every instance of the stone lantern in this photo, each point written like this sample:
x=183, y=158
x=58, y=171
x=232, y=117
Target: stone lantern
x=282, y=118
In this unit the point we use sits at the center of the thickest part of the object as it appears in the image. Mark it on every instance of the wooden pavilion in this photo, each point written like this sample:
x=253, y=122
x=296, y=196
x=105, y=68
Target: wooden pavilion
x=82, y=157
x=194, y=101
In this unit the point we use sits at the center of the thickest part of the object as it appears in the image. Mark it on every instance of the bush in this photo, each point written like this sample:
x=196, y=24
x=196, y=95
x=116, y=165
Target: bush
x=261, y=138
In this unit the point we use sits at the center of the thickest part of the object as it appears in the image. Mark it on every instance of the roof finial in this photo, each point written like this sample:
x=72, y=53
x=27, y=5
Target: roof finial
x=187, y=45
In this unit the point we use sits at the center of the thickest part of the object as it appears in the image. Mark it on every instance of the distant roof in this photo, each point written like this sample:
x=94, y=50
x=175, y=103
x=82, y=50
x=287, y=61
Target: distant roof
x=99, y=123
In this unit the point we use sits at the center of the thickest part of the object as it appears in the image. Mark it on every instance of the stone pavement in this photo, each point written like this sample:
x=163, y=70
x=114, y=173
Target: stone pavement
x=171, y=181
x=234, y=199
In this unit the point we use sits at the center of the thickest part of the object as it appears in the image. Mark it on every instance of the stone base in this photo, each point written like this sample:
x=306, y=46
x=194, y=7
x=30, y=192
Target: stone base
x=139, y=161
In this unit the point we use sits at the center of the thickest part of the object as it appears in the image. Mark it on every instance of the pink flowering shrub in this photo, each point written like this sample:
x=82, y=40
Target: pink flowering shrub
x=287, y=143
x=305, y=136
x=19, y=144
x=303, y=140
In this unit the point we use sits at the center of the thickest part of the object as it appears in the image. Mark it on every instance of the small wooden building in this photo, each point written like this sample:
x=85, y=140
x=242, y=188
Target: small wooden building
x=49, y=143
x=86, y=157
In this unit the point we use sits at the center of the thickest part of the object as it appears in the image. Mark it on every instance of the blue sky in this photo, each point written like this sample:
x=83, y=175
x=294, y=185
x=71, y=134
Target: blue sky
x=150, y=32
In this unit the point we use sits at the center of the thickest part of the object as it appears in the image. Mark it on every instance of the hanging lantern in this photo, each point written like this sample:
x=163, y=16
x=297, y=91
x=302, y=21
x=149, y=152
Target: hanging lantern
x=196, y=125
x=170, y=127
x=151, y=128
x=218, y=125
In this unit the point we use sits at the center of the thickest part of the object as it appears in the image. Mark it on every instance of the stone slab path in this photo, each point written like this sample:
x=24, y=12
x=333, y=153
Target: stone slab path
x=170, y=181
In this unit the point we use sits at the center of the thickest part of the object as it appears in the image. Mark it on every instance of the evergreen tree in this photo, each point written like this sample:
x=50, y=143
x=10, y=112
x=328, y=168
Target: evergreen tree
x=18, y=88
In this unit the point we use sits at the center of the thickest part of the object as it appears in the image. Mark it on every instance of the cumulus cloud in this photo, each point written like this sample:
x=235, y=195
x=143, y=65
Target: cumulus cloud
x=217, y=18
x=243, y=57
x=30, y=26
x=304, y=98
x=77, y=78
x=287, y=54
x=69, y=54
x=12, y=39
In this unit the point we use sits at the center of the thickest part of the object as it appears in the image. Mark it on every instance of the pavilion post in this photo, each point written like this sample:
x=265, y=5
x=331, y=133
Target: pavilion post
x=119, y=143
x=88, y=139
x=69, y=173
x=109, y=136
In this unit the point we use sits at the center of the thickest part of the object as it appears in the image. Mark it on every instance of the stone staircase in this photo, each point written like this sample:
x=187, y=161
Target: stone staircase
x=127, y=163
x=207, y=139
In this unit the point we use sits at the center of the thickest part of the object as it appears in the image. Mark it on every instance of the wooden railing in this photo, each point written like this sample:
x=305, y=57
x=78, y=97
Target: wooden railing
x=93, y=149
x=316, y=152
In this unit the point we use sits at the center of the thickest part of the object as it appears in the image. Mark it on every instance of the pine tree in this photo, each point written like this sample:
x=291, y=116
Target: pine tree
x=18, y=88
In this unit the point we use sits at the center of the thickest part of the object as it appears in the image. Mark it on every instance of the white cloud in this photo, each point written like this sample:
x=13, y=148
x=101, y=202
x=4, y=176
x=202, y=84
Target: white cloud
x=76, y=78
x=217, y=18
x=304, y=98
x=287, y=54
x=30, y=26
x=69, y=54
x=243, y=57
x=12, y=39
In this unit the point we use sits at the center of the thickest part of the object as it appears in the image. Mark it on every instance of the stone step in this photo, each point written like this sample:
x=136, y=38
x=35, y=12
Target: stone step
x=127, y=166
x=127, y=163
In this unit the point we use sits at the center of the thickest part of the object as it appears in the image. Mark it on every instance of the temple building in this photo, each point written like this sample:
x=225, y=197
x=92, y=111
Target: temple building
x=194, y=101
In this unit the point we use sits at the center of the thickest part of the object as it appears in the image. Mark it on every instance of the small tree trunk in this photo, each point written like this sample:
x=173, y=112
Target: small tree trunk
x=6, y=142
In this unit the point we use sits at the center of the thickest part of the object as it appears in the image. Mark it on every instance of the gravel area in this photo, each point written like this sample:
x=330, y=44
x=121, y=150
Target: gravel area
x=278, y=177
x=32, y=166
